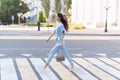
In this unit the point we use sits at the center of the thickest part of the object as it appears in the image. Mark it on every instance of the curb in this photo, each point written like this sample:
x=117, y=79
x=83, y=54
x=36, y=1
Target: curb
x=93, y=34
x=87, y=32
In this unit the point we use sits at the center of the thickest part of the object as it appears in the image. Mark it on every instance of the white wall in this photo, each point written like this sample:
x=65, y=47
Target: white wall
x=93, y=11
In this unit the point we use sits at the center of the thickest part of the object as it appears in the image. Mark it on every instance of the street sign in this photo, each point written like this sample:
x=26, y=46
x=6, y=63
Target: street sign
x=19, y=14
x=12, y=18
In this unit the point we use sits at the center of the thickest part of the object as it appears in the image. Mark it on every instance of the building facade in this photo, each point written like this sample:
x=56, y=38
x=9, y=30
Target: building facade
x=95, y=12
x=35, y=7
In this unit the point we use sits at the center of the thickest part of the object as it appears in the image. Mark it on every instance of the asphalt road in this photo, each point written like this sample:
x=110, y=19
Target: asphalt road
x=23, y=54
x=40, y=48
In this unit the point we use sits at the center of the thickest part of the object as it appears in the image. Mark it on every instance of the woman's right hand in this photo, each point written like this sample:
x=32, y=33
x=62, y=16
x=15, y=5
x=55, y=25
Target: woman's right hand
x=47, y=40
x=50, y=36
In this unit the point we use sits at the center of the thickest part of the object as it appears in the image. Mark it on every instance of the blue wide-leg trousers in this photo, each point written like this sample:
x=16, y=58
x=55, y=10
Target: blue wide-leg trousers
x=56, y=49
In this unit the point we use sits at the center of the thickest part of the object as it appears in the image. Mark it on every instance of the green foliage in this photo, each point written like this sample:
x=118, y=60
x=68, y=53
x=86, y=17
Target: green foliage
x=68, y=6
x=47, y=25
x=68, y=3
x=76, y=26
x=71, y=26
x=23, y=7
x=41, y=17
x=30, y=24
x=58, y=5
x=41, y=24
x=11, y=7
x=46, y=6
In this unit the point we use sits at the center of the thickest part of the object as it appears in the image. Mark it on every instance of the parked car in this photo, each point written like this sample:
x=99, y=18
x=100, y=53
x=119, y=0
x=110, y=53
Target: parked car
x=3, y=23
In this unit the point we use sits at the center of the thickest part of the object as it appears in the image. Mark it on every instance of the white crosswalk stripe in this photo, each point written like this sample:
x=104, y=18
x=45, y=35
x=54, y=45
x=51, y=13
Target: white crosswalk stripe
x=25, y=69
x=64, y=73
x=38, y=64
x=94, y=70
x=85, y=69
x=7, y=70
x=105, y=67
x=81, y=72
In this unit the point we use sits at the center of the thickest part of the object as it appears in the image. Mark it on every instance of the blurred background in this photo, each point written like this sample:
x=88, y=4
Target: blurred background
x=80, y=13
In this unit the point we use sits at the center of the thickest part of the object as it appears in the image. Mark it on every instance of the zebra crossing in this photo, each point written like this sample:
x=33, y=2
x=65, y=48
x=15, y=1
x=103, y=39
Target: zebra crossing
x=103, y=68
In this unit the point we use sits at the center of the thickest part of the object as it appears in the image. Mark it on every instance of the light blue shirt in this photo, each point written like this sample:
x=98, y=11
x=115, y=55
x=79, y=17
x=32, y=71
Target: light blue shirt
x=58, y=31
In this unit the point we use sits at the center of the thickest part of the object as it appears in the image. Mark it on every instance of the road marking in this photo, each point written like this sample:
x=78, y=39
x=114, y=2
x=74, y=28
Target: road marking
x=116, y=59
x=1, y=55
x=25, y=69
x=96, y=71
x=111, y=62
x=79, y=71
x=85, y=69
x=64, y=73
x=105, y=67
x=101, y=54
x=46, y=74
x=78, y=55
x=26, y=55
x=7, y=69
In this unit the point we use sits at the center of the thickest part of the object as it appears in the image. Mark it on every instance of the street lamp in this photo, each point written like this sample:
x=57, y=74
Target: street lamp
x=106, y=19
x=106, y=23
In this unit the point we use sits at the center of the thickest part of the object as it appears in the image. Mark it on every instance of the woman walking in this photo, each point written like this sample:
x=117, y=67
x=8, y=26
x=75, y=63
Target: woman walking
x=60, y=30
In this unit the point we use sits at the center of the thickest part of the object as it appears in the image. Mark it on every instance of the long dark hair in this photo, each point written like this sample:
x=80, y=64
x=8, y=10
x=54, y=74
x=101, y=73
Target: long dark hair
x=63, y=20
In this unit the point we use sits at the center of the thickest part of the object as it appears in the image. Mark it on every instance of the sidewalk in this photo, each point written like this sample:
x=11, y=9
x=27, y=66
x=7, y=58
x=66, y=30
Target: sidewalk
x=112, y=31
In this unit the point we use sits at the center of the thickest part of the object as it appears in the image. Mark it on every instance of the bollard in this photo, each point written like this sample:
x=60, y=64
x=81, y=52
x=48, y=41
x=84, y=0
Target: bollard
x=38, y=26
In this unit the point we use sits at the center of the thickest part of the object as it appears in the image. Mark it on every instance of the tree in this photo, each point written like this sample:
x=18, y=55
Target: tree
x=23, y=7
x=58, y=5
x=41, y=17
x=0, y=10
x=11, y=7
x=46, y=7
x=0, y=2
x=67, y=6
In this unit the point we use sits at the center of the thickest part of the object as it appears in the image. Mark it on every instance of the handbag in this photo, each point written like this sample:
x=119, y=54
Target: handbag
x=60, y=57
